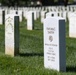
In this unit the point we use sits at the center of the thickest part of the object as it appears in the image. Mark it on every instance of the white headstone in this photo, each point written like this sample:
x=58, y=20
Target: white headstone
x=35, y=15
x=65, y=15
x=30, y=20
x=68, y=15
x=72, y=25
x=38, y=14
x=20, y=15
x=54, y=43
x=43, y=13
x=25, y=14
x=11, y=35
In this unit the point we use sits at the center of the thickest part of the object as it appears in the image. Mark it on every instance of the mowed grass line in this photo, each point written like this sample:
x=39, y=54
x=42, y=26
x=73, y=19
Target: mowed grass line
x=30, y=61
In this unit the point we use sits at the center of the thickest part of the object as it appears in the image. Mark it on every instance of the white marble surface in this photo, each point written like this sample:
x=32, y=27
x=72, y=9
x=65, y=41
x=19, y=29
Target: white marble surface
x=10, y=35
x=30, y=20
x=72, y=25
x=54, y=43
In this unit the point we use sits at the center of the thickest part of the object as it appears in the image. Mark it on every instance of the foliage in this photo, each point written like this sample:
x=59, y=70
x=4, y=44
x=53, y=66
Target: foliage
x=26, y=2
x=14, y=2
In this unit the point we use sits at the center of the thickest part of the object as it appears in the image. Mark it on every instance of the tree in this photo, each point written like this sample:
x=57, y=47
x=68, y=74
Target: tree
x=13, y=2
x=65, y=2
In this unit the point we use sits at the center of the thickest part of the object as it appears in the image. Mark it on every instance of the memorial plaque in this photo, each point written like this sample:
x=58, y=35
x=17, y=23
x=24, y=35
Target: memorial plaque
x=11, y=35
x=54, y=43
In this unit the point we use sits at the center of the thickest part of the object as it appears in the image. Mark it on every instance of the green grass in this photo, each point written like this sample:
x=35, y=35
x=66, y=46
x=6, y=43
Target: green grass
x=30, y=61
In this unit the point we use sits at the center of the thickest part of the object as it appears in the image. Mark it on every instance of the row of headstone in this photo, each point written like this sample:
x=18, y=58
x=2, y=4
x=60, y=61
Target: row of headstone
x=41, y=11
x=46, y=8
x=50, y=8
x=54, y=39
x=54, y=35
x=43, y=15
x=46, y=14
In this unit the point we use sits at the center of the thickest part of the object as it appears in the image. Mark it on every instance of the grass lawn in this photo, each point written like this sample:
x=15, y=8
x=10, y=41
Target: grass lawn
x=30, y=61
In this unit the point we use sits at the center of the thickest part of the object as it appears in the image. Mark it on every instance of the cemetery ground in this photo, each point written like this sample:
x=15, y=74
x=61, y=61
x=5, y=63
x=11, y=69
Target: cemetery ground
x=30, y=60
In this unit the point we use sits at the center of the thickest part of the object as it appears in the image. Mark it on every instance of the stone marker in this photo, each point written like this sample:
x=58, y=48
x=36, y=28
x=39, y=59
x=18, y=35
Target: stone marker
x=20, y=15
x=30, y=21
x=65, y=15
x=43, y=13
x=72, y=25
x=25, y=14
x=38, y=14
x=11, y=34
x=35, y=15
x=54, y=43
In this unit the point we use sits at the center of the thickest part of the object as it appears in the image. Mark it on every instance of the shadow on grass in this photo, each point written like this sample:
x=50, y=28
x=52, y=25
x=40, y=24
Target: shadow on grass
x=30, y=54
x=38, y=29
x=71, y=69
